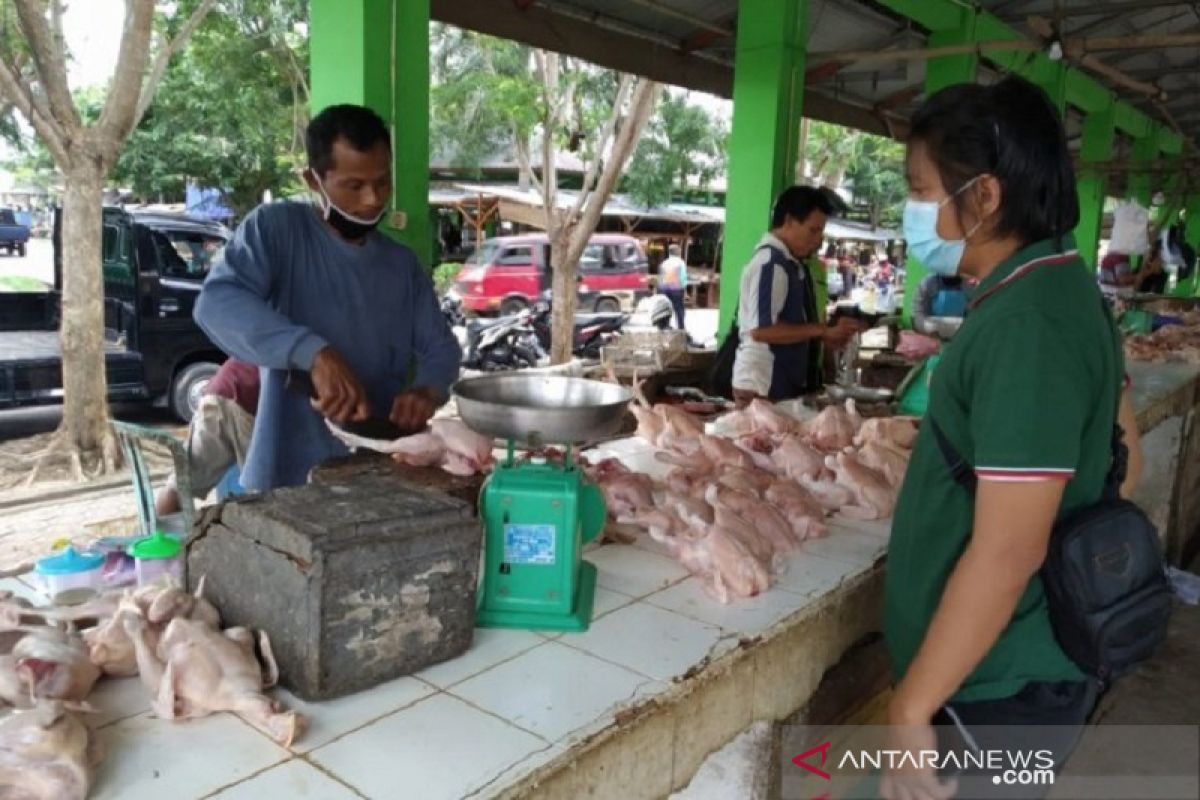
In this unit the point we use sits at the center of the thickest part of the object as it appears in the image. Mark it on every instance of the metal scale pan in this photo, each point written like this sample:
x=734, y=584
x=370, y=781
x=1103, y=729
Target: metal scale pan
x=537, y=410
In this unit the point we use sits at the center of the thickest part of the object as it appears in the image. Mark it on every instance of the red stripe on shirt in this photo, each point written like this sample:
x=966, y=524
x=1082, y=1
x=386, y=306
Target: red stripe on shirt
x=1017, y=476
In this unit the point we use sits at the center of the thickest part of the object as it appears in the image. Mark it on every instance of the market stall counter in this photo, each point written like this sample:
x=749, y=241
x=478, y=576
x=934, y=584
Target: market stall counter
x=665, y=675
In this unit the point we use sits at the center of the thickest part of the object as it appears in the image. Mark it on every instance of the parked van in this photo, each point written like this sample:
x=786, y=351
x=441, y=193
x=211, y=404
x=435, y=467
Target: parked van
x=508, y=273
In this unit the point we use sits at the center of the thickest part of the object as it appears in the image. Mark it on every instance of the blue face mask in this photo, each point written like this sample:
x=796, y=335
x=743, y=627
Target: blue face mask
x=940, y=256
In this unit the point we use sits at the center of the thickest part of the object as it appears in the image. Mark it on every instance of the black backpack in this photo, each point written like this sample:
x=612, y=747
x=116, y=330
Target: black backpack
x=720, y=377
x=1106, y=587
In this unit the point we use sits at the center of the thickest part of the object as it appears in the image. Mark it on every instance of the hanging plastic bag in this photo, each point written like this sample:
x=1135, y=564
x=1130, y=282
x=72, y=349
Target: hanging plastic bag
x=1129, y=233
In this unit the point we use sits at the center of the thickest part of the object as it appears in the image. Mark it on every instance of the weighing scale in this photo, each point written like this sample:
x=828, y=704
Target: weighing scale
x=847, y=385
x=536, y=515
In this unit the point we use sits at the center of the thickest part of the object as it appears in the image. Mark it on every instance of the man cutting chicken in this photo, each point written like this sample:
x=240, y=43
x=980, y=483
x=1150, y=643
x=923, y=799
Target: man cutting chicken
x=316, y=289
x=780, y=314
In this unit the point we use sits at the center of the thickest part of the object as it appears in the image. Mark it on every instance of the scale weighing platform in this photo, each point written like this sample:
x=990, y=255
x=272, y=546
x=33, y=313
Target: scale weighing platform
x=538, y=515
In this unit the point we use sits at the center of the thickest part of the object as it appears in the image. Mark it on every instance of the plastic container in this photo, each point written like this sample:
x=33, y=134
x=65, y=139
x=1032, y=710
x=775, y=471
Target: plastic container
x=156, y=556
x=70, y=571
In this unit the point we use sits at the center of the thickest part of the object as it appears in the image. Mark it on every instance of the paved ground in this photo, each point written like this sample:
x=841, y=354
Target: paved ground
x=37, y=264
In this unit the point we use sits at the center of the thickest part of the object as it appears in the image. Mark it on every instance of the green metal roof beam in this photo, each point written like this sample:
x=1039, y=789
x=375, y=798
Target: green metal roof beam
x=1083, y=92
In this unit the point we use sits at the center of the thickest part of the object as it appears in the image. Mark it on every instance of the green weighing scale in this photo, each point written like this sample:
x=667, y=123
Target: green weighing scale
x=538, y=515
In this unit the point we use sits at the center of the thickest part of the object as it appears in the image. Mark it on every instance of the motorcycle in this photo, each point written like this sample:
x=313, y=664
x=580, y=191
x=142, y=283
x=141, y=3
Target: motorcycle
x=592, y=331
x=456, y=320
x=508, y=342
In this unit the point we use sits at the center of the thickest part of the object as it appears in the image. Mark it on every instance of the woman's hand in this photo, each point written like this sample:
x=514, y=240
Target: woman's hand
x=914, y=778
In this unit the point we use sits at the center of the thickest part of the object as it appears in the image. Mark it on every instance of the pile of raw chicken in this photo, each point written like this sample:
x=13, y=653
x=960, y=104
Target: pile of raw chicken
x=1169, y=344
x=172, y=639
x=731, y=508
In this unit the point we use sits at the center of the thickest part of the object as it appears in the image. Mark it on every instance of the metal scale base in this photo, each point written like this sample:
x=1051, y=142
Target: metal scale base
x=538, y=516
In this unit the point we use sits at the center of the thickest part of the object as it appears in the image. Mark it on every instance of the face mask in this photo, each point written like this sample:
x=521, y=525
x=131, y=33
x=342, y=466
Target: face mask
x=347, y=225
x=940, y=256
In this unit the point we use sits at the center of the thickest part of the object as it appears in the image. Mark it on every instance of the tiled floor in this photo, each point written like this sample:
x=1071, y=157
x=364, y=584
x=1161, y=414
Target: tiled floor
x=467, y=727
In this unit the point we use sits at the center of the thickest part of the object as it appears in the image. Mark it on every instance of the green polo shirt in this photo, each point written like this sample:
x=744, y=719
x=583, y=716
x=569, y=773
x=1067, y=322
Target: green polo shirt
x=1026, y=390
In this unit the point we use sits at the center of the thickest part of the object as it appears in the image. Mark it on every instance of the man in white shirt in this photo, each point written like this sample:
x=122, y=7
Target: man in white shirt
x=779, y=355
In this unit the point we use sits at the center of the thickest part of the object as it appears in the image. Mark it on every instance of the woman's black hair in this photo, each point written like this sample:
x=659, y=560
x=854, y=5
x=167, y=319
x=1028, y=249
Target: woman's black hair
x=1012, y=131
x=359, y=125
x=800, y=201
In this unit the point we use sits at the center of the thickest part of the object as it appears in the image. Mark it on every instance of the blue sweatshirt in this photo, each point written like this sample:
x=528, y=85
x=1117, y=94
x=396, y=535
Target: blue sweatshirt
x=287, y=286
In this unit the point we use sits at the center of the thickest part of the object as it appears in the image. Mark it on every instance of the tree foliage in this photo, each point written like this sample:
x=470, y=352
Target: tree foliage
x=682, y=143
x=231, y=111
x=871, y=166
x=876, y=176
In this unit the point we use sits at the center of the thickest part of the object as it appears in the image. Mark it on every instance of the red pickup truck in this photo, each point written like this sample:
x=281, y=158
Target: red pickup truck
x=508, y=273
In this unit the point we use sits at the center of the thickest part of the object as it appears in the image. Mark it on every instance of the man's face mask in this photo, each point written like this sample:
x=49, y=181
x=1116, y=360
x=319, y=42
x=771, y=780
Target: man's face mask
x=347, y=225
x=940, y=256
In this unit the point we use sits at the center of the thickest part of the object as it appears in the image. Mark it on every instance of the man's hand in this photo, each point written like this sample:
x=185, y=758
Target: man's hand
x=743, y=397
x=340, y=397
x=413, y=409
x=836, y=336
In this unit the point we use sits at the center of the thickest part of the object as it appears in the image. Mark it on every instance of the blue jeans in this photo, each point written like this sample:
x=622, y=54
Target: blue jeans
x=676, y=298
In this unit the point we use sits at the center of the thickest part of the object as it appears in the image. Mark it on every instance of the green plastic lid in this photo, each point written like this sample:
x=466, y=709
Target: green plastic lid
x=157, y=546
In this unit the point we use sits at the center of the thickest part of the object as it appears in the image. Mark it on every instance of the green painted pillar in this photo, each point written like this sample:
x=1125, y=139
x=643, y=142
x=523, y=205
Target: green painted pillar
x=768, y=94
x=1096, y=147
x=1052, y=77
x=376, y=53
x=939, y=73
x=1140, y=186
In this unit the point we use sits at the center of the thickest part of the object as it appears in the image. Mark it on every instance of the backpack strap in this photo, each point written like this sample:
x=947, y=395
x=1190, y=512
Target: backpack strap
x=962, y=472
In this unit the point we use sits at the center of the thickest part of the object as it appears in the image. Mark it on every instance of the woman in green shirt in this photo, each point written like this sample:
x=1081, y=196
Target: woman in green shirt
x=1026, y=393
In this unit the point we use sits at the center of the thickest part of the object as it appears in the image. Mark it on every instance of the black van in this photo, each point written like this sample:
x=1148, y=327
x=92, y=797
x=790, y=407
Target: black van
x=154, y=266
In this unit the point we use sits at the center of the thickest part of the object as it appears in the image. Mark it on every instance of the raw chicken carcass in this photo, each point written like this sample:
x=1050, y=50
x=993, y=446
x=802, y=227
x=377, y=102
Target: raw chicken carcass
x=54, y=664
x=109, y=645
x=834, y=428
x=891, y=463
x=765, y=518
x=626, y=494
x=716, y=553
x=793, y=459
x=895, y=432
x=449, y=444
x=198, y=670
x=802, y=510
x=873, y=497
x=770, y=419
x=751, y=481
x=829, y=493
x=45, y=754
x=467, y=452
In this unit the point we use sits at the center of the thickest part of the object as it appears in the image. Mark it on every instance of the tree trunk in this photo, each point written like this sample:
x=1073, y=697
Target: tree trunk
x=574, y=232
x=85, y=393
x=564, y=287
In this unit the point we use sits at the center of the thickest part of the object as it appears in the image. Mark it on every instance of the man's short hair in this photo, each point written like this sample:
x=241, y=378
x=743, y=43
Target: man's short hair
x=798, y=202
x=674, y=250
x=360, y=126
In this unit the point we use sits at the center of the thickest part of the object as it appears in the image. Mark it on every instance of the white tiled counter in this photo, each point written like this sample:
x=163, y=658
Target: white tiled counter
x=628, y=710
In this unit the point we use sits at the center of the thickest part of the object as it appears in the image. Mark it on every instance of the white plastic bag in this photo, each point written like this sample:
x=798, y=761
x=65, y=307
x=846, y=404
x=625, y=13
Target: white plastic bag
x=1129, y=233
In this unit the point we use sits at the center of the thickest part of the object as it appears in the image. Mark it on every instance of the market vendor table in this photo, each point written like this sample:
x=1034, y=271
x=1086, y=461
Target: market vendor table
x=629, y=709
